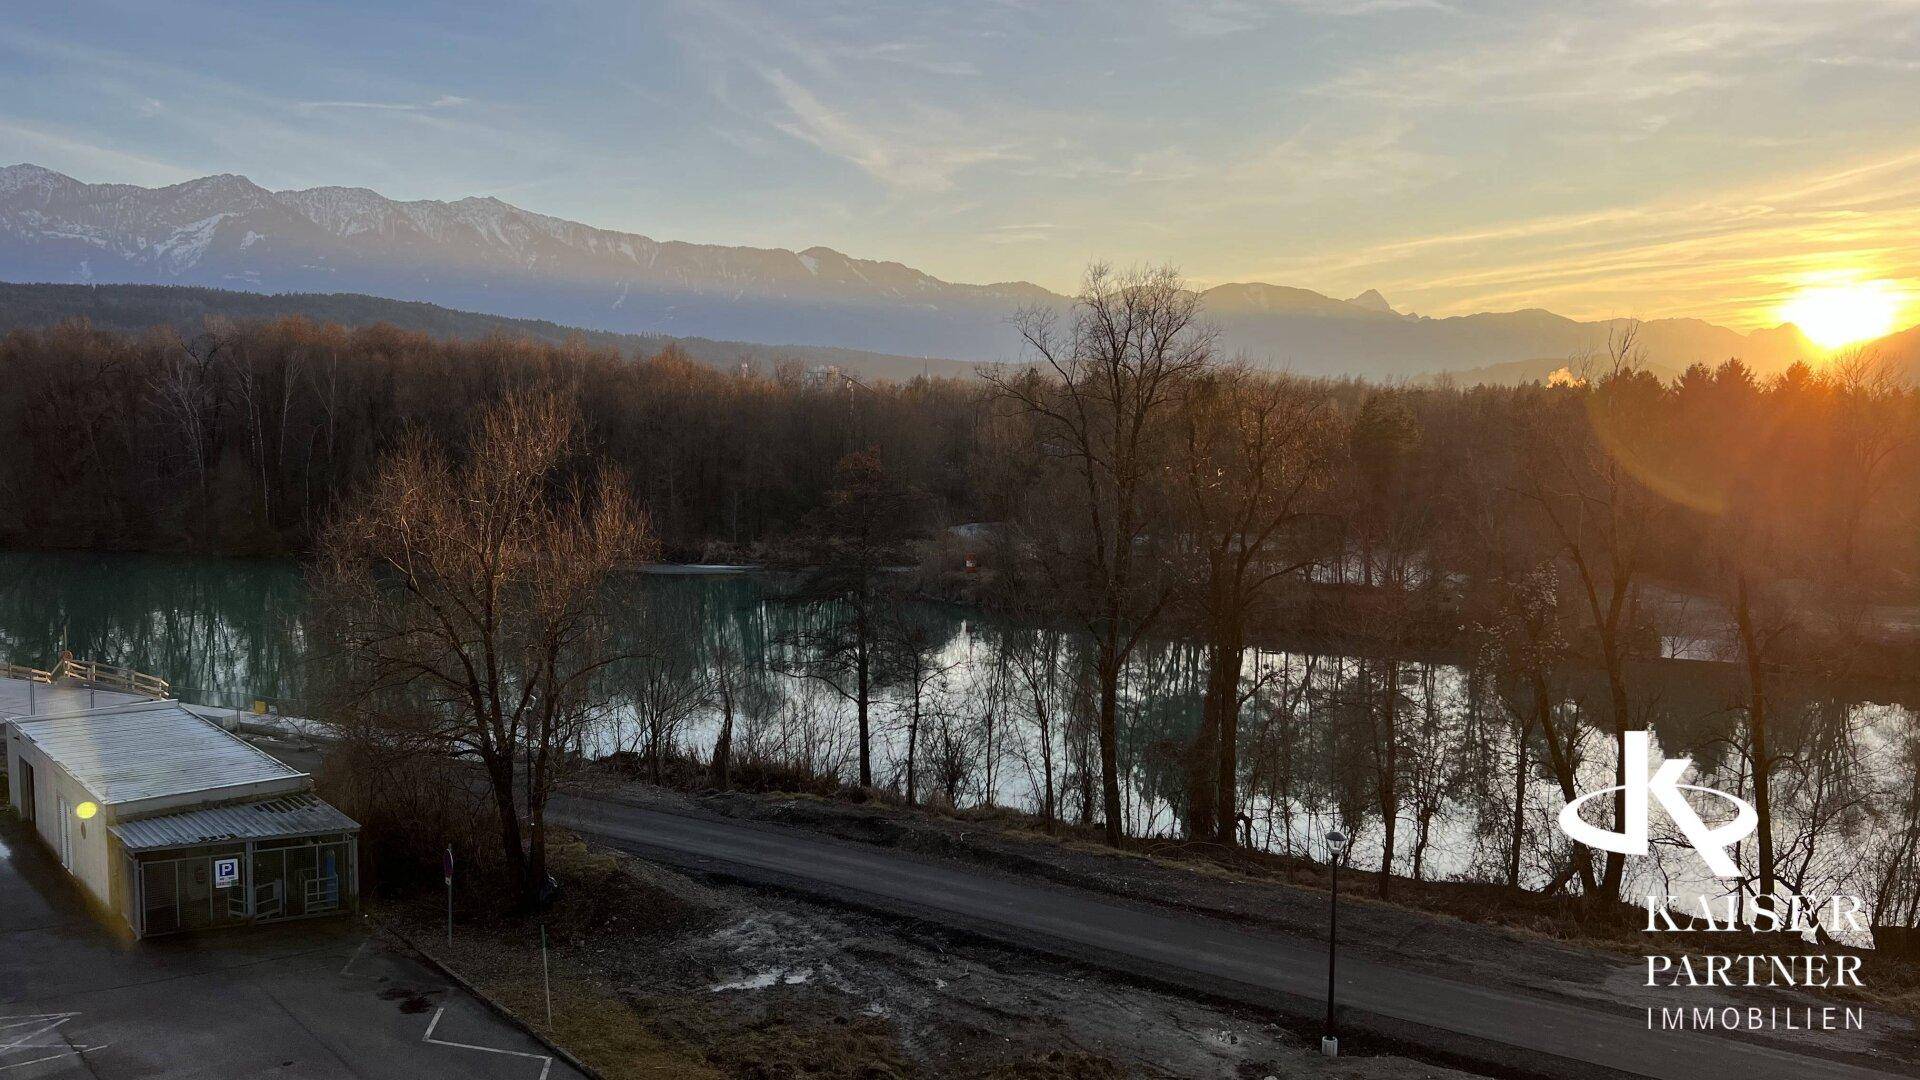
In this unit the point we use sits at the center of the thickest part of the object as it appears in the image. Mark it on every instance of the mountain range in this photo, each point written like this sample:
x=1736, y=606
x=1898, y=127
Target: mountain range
x=187, y=308
x=488, y=256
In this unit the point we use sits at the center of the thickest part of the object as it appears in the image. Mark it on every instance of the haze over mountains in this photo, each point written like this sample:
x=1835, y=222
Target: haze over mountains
x=488, y=256
x=187, y=308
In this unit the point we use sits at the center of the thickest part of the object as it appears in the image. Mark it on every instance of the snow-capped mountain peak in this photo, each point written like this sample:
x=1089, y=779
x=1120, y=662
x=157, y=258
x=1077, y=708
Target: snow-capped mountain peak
x=480, y=253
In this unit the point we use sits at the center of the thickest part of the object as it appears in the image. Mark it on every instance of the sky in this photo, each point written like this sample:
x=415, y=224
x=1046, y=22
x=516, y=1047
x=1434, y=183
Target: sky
x=1601, y=159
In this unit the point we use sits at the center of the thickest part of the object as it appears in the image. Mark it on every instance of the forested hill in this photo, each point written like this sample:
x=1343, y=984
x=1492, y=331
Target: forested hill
x=134, y=308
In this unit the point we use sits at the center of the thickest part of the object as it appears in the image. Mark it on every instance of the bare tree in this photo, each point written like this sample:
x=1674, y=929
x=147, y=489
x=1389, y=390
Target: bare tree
x=867, y=519
x=1594, y=495
x=1100, y=399
x=727, y=678
x=187, y=390
x=913, y=644
x=1253, y=452
x=665, y=692
x=464, y=603
x=1873, y=425
x=1044, y=660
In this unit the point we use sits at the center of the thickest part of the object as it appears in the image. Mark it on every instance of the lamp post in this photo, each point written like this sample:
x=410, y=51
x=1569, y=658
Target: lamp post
x=1336, y=844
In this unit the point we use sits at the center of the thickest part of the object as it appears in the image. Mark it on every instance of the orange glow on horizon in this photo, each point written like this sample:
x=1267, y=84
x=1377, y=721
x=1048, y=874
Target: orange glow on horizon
x=1845, y=312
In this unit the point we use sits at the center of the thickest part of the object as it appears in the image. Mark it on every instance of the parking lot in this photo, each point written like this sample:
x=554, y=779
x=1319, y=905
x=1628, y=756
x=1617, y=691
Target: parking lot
x=314, y=999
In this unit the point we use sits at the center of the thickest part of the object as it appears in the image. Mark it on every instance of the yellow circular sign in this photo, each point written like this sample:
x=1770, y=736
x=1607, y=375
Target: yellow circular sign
x=86, y=810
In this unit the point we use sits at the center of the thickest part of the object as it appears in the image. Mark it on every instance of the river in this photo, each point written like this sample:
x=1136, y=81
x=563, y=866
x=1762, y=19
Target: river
x=233, y=632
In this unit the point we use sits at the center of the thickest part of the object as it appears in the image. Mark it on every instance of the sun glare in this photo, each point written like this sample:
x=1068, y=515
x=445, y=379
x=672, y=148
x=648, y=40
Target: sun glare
x=1836, y=315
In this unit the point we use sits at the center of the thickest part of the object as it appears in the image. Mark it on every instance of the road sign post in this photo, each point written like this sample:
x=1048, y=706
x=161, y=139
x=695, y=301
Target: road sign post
x=1336, y=845
x=546, y=975
x=446, y=871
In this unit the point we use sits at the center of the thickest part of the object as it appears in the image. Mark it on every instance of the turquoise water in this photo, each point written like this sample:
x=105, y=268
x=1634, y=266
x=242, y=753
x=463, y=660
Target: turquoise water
x=219, y=630
x=230, y=632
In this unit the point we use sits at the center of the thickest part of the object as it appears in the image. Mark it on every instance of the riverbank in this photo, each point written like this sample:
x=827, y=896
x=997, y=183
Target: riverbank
x=1873, y=643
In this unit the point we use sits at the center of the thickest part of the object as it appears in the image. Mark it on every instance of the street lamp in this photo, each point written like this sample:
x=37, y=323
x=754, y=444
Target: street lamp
x=1336, y=843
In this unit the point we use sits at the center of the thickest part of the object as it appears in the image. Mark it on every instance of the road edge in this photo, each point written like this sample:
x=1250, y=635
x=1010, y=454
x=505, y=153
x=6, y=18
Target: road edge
x=1383, y=1034
x=498, y=1008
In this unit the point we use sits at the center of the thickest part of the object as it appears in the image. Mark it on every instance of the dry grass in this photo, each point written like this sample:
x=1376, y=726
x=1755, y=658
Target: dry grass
x=590, y=1017
x=615, y=912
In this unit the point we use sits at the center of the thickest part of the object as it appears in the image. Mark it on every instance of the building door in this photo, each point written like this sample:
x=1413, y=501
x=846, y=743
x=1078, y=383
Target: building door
x=160, y=896
x=269, y=884
x=66, y=834
x=26, y=791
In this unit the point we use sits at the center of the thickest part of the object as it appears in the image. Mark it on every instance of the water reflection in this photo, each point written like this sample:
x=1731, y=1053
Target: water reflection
x=996, y=714
x=222, y=631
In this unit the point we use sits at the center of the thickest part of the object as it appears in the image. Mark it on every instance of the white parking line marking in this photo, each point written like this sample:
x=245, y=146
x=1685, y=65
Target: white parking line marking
x=29, y=1027
x=74, y=1052
x=546, y=1062
x=355, y=957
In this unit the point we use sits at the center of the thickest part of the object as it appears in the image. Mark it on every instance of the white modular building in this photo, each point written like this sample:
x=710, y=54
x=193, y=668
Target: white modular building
x=173, y=823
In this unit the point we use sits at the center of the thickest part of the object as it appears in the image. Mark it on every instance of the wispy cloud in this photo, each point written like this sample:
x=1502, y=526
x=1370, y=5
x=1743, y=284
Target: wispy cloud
x=1210, y=18
x=1596, y=156
x=1732, y=255
x=873, y=102
x=444, y=101
x=21, y=142
x=921, y=156
x=1614, y=54
x=1038, y=232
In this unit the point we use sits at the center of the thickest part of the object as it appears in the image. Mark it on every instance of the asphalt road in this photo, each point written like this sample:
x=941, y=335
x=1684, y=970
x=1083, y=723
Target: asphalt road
x=1487, y=1025
x=307, y=1000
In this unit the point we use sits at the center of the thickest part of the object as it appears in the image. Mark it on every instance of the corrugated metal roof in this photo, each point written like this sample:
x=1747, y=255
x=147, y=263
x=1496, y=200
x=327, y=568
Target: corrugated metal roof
x=148, y=750
x=291, y=815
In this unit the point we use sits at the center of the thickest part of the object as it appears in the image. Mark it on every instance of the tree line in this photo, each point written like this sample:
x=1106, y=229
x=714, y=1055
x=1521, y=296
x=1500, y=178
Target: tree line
x=242, y=438
x=1560, y=544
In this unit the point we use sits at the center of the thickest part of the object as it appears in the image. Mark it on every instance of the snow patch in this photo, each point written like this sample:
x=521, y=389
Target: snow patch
x=187, y=244
x=765, y=980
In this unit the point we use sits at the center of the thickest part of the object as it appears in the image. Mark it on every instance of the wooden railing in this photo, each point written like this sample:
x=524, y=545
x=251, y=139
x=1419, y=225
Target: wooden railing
x=114, y=677
x=22, y=671
x=92, y=673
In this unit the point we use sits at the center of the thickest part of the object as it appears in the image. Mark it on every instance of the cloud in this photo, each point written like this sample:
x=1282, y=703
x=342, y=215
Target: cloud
x=1730, y=256
x=1317, y=163
x=1038, y=232
x=89, y=160
x=905, y=109
x=444, y=101
x=230, y=125
x=1215, y=18
x=920, y=156
x=1617, y=54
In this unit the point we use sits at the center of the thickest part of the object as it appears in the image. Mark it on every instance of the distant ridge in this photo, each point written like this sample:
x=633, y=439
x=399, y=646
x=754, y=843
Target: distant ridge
x=480, y=254
x=136, y=308
x=1372, y=301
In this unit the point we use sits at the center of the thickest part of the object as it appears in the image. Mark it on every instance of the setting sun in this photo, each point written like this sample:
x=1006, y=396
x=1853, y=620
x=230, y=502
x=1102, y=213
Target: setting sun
x=1836, y=315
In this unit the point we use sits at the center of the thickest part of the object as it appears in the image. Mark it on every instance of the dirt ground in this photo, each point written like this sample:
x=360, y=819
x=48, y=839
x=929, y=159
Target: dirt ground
x=1460, y=931
x=656, y=974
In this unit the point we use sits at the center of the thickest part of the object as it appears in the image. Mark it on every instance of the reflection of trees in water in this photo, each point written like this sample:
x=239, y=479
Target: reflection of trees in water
x=222, y=631
x=1010, y=710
